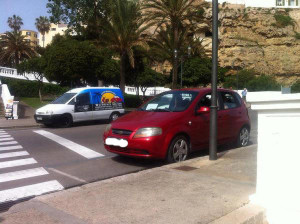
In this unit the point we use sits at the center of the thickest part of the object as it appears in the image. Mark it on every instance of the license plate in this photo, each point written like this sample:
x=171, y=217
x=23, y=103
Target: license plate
x=116, y=142
x=39, y=118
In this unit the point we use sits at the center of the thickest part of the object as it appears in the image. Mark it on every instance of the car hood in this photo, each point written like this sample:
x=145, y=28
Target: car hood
x=50, y=107
x=141, y=119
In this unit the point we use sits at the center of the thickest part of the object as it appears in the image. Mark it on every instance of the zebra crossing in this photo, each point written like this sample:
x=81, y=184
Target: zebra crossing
x=20, y=165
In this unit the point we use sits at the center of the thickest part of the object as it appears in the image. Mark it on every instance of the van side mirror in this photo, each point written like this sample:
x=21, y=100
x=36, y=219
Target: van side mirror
x=203, y=110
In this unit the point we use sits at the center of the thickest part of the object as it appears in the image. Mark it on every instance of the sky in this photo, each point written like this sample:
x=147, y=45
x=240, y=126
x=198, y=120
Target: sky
x=28, y=10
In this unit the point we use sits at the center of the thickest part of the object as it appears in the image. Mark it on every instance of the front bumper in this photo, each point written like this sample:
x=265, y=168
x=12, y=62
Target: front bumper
x=151, y=147
x=47, y=119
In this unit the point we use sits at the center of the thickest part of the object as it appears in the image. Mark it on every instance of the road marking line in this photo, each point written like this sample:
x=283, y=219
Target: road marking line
x=18, y=175
x=20, y=162
x=68, y=175
x=5, y=136
x=13, y=154
x=81, y=150
x=29, y=191
x=6, y=139
x=9, y=143
x=6, y=148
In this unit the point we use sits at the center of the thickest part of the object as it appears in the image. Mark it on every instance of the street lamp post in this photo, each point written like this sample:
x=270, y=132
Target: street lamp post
x=213, y=131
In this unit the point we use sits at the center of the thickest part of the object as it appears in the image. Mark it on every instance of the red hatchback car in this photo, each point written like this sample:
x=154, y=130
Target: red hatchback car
x=175, y=123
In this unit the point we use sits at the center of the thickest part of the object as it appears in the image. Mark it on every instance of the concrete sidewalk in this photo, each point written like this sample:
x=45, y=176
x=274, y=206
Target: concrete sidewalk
x=196, y=191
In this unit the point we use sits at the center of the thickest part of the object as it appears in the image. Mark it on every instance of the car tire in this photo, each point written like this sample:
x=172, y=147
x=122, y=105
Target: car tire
x=243, y=137
x=114, y=116
x=178, y=150
x=66, y=121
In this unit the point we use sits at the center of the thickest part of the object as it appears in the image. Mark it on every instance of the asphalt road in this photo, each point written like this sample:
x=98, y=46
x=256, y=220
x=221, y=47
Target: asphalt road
x=38, y=161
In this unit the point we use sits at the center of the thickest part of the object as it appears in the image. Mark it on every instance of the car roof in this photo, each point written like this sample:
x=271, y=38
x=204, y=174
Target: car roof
x=201, y=89
x=78, y=90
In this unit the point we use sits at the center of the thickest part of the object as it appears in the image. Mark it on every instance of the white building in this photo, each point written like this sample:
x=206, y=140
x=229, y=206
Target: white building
x=264, y=3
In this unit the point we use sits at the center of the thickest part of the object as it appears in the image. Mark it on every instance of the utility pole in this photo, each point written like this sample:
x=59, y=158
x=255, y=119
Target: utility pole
x=213, y=130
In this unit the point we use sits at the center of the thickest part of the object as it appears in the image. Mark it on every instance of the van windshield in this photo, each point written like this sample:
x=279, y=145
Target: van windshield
x=173, y=101
x=63, y=98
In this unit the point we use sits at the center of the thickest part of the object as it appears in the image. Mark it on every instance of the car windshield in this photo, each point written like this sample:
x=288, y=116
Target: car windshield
x=63, y=98
x=174, y=101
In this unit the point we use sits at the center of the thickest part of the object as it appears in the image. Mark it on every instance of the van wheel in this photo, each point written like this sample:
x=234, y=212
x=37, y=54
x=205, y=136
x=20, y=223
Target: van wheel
x=66, y=121
x=178, y=150
x=114, y=116
x=243, y=137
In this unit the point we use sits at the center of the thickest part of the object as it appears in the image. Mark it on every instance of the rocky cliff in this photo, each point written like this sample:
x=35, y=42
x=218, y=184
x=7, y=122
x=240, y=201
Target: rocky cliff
x=265, y=40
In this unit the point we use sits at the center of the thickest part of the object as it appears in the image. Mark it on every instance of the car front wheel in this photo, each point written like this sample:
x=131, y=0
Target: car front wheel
x=178, y=150
x=114, y=116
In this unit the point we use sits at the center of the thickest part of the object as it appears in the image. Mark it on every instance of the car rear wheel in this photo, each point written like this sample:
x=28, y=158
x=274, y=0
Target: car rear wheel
x=178, y=150
x=114, y=116
x=66, y=121
x=243, y=137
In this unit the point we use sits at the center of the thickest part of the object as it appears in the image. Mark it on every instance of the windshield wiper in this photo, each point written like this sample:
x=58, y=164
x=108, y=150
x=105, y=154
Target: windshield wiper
x=162, y=110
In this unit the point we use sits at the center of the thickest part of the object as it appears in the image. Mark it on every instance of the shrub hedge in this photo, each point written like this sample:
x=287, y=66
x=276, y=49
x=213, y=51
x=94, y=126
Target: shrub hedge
x=25, y=88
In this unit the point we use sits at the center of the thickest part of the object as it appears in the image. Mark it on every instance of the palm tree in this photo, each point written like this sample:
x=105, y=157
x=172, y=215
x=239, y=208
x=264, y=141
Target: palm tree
x=123, y=29
x=15, y=23
x=43, y=25
x=181, y=16
x=14, y=48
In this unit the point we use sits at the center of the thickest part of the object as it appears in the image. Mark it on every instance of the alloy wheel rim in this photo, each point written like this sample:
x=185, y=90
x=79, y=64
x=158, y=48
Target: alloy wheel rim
x=244, y=137
x=180, y=150
x=115, y=117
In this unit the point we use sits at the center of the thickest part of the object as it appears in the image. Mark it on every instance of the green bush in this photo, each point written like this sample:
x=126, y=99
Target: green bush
x=296, y=87
x=283, y=20
x=132, y=101
x=297, y=36
x=25, y=88
x=249, y=79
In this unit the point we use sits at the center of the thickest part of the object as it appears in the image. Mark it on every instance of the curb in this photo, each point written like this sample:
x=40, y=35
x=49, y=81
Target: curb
x=21, y=126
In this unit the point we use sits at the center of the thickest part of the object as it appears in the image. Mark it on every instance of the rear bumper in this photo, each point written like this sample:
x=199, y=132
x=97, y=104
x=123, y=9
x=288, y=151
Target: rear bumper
x=47, y=119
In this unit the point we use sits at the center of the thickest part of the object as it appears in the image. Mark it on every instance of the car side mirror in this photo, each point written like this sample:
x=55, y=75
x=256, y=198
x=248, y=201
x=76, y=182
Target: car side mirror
x=203, y=110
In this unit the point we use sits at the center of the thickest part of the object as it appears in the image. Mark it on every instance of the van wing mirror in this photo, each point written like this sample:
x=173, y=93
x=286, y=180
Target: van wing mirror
x=203, y=110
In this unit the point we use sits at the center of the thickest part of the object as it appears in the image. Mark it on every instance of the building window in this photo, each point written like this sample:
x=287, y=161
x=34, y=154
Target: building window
x=35, y=35
x=293, y=2
x=53, y=29
x=28, y=33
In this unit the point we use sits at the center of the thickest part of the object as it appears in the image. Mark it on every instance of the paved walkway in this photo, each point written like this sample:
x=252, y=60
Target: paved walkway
x=196, y=191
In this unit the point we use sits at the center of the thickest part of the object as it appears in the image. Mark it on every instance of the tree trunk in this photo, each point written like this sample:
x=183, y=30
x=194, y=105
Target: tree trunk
x=40, y=92
x=122, y=72
x=43, y=40
x=175, y=58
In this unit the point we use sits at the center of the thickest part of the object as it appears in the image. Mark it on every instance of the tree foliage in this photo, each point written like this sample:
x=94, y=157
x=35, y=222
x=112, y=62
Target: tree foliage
x=14, y=49
x=197, y=72
x=15, y=23
x=43, y=25
x=35, y=66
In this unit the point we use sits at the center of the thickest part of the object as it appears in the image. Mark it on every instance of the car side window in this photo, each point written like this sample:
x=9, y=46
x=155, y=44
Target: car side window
x=83, y=99
x=229, y=100
x=205, y=101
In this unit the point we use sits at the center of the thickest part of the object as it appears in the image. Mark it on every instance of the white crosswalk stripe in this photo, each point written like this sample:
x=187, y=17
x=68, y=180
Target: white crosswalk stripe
x=9, y=143
x=6, y=139
x=6, y=148
x=19, y=162
x=29, y=191
x=13, y=154
x=17, y=175
x=18, y=170
x=5, y=136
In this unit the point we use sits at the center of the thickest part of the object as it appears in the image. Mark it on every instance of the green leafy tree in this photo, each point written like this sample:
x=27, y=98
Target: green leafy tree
x=35, y=66
x=72, y=61
x=176, y=19
x=123, y=30
x=15, y=23
x=43, y=25
x=295, y=88
x=15, y=49
x=77, y=13
x=150, y=78
x=197, y=72
x=263, y=83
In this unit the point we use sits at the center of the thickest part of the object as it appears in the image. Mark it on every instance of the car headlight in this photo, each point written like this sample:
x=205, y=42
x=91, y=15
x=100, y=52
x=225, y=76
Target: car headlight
x=147, y=132
x=107, y=129
x=49, y=112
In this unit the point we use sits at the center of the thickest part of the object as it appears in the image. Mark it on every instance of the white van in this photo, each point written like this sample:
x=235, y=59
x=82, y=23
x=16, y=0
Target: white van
x=82, y=104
